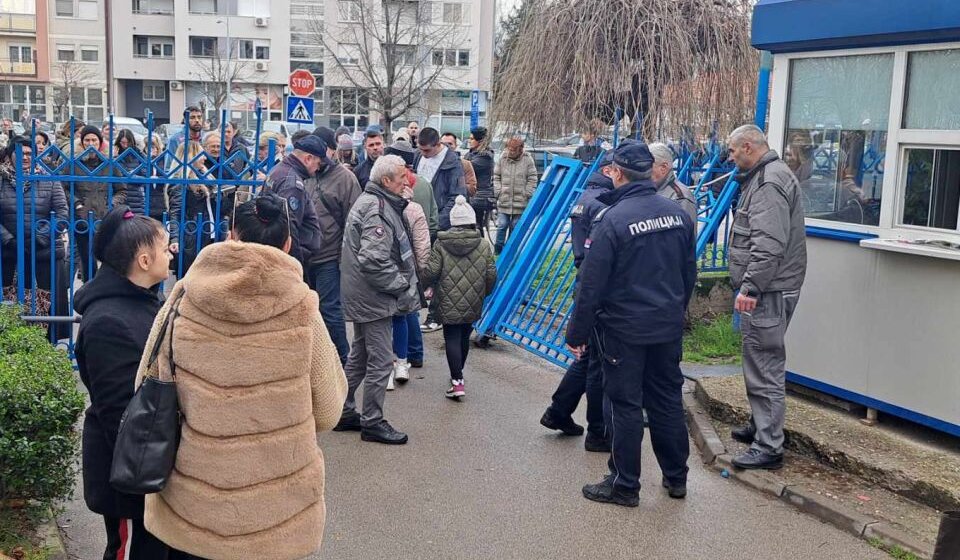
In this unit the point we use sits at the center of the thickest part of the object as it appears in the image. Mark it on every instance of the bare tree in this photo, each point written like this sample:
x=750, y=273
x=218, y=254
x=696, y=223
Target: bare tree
x=67, y=76
x=394, y=50
x=679, y=66
x=216, y=71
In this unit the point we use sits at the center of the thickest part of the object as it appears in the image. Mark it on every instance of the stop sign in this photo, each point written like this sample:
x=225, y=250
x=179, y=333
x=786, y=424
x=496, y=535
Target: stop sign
x=302, y=83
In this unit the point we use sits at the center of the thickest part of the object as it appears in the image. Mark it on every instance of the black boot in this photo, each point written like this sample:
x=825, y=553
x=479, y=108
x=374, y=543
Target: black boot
x=596, y=443
x=605, y=492
x=383, y=433
x=349, y=422
x=744, y=434
x=566, y=425
x=675, y=491
x=948, y=540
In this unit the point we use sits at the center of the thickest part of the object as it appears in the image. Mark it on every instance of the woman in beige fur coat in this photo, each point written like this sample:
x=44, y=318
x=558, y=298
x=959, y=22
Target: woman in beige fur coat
x=258, y=378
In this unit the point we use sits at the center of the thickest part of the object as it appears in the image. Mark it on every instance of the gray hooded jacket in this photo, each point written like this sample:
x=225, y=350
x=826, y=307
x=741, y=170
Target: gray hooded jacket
x=768, y=251
x=378, y=269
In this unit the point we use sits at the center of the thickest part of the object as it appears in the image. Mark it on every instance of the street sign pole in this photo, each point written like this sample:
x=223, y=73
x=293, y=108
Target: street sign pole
x=475, y=109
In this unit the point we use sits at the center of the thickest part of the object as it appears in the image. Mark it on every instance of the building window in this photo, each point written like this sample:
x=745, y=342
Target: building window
x=89, y=54
x=21, y=54
x=349, y=107
x=81, y=9
x=450, y=57
x=452, y=12
x=164, y=7
x=404, y=55
x=65, y=8
x=87, y=9
x=19, y=6
x=201, y=47
x=66, y=53
x=145, y=46
x=348, y=54
x=929, y=75
x=241, y=8
x=931, y=194
x=836, y=134
x=350, y=11
x=262, y=52
x=154, y=91
x=203, y=6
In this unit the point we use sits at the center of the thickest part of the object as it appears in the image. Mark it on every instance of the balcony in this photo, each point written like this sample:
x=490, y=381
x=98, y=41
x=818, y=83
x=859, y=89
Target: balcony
x=153, y=7
x=18, y=23
x=13, y=69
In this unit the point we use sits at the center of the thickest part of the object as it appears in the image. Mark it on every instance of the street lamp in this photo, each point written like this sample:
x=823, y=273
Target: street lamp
x=226, y=19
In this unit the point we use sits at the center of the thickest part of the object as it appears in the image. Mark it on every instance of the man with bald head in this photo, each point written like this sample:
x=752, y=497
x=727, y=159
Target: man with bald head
x=768, y=262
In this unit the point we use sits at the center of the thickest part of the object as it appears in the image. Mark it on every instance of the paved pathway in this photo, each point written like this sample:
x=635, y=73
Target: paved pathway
x=481, y=479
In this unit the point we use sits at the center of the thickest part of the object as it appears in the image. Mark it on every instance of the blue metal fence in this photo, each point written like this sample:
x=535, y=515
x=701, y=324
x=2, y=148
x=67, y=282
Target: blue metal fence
x=52, y=237
x=534, y=295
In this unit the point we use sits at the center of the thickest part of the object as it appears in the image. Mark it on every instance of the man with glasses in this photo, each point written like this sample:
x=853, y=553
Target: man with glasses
x=287, y=181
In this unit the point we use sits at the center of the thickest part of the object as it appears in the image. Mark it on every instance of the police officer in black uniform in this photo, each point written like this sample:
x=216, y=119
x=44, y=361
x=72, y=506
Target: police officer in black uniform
x=287, y=180
x=635, y=283
x=584, y=376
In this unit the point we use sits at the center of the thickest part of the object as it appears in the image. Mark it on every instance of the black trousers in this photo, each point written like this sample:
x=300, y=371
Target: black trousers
x=584, y=377
x=637, y=377
x=85, y=263
x=456, y=339
x=128, y=539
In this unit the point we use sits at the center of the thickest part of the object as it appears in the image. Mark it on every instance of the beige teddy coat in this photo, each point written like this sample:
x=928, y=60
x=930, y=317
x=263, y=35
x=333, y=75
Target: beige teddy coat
x=257, y=378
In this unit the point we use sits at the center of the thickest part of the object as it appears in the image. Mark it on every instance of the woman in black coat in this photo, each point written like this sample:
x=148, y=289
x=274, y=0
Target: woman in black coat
x=481, y=157
x=118, y=307
x=133, y=160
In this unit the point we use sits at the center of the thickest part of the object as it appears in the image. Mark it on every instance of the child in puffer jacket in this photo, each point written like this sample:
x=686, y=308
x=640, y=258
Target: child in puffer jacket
x=462, y=268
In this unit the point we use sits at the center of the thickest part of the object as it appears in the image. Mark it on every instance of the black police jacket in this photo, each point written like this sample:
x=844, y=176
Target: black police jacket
x=639, y=271
x=584, y=211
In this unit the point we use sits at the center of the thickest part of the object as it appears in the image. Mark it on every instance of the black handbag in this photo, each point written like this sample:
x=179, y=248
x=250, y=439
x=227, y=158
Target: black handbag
x=146, y=446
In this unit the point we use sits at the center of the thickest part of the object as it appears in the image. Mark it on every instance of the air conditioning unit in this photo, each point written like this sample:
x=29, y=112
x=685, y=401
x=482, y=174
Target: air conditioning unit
x=176, y=86
x=262, y=21
x=262, y=66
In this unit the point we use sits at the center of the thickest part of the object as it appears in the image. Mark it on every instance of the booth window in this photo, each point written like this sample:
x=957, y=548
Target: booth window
x=837, y=121
x=930, y=74
x=932, y=189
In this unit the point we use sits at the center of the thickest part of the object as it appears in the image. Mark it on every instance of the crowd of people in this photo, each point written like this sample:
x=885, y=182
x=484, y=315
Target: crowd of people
x=374, y=239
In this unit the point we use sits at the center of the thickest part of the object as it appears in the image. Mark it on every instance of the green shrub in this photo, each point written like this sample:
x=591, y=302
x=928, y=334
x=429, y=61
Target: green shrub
x=712, y=342
x=39, y=407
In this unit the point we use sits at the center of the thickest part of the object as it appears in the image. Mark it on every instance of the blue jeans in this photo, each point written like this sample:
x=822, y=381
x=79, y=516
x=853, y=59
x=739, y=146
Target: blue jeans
x=407, y=338
x=325, y=278
x=505, y=224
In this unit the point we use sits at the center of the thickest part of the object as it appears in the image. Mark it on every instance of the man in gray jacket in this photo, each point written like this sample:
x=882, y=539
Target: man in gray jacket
x=768, y=261
x=666, y=181
x=378, y=281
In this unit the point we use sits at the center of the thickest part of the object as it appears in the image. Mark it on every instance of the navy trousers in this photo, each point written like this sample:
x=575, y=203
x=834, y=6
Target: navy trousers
x=584, y=377
x=638, y=377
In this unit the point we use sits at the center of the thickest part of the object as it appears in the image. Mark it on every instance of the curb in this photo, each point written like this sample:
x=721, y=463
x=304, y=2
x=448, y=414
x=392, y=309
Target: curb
x=51, y=539
x=800, y=496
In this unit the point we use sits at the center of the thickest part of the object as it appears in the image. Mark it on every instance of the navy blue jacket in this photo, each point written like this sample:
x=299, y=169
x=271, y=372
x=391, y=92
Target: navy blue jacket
x=584, y=211
x=639, y=271
x=287, y=181
x=447, y=184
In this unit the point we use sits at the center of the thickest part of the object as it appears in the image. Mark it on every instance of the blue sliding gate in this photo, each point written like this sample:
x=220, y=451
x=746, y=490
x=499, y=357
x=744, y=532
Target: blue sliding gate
x=47, y=252
x=531, y=304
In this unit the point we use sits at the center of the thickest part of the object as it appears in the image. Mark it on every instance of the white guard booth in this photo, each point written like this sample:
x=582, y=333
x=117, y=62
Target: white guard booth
x=865, y=107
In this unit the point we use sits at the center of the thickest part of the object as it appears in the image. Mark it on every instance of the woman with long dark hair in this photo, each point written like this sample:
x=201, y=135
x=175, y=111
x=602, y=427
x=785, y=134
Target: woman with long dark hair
x=481, y=157
x=118, y=307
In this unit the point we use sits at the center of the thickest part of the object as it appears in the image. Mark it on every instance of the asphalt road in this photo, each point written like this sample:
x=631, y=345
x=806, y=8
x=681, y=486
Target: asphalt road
x=480, y=479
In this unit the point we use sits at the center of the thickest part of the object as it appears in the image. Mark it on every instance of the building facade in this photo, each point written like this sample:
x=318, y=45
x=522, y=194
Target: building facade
x=24, y=65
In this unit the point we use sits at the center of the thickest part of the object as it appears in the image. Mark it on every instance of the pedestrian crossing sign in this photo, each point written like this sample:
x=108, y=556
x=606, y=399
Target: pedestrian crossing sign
x=300, y=110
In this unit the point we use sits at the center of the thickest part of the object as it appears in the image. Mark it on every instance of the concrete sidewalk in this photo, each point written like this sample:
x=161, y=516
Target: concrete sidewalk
x=482, y=479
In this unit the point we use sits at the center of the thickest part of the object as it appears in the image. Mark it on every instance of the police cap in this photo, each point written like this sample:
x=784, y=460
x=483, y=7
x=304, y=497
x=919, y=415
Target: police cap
x=606, y=160
x=312, y=145
x=634, y=156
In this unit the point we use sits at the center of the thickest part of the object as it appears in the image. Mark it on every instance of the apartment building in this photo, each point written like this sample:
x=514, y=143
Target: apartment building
x=24, y=65
x=169, y=54
x=77, y=47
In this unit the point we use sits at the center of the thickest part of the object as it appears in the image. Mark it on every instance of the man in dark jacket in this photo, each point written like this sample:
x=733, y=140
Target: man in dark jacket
x=379, y=282
x=768, y=262
x=287, y=180
x=584, y=376
x=372, y=149
x=442, y=168
x=333, y=190
x=481, y=157
x=634, y=285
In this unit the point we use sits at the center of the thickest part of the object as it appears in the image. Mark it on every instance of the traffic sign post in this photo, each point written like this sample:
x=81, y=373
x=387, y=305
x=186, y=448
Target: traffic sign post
x=300, y=110
x=475, y=109
x=302, y=83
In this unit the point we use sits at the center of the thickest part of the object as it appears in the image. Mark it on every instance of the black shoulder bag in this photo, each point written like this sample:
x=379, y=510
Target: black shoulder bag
x=146, y=446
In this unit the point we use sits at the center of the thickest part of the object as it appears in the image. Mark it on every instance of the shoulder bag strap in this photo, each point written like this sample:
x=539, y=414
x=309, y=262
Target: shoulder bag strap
x=171, y=315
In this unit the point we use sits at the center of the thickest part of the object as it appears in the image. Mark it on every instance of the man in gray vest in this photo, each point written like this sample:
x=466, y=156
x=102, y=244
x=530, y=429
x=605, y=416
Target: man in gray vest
x=768, y=261
x=666, y=180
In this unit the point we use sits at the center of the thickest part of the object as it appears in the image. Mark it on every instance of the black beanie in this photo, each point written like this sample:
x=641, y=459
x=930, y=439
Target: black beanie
x=90, y=129
x=479, y=133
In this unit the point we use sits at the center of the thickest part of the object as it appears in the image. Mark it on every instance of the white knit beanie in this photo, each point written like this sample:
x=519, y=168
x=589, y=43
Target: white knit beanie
x=462, y=214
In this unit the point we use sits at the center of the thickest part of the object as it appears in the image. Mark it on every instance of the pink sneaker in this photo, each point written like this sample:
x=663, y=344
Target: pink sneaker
x=456, y=390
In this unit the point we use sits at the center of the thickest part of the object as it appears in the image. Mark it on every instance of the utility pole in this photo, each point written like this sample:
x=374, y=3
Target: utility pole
x=226, y=19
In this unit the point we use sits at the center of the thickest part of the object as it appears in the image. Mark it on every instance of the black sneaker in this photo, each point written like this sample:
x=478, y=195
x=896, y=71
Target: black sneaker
x=596, y=444
x=756, y=459
x=567, y=425
x=349, y=422
x=675, y=491
x=605, y=492
x=416, y=363
x=744, y=434
x=383, y=433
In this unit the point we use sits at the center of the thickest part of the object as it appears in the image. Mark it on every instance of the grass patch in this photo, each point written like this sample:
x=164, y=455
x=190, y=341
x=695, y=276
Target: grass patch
x=18, y=538
x=894, y=551
x=712, y=342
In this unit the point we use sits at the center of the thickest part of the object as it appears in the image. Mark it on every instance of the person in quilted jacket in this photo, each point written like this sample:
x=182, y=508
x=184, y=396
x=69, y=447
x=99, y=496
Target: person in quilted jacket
x=461, y=266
